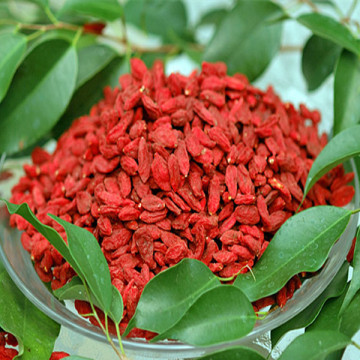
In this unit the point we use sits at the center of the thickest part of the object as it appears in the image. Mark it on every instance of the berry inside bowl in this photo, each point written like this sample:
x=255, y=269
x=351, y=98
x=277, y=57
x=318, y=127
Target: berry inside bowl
x=226, y=155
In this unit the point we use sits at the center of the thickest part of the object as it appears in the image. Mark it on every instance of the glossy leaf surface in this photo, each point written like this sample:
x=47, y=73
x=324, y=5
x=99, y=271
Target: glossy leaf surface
x=318, y=60
x=350, y=318
x=340, y=148
x=328, y=28
x=355, y=279
x=93, y=59
x=313, y=232
x=253, y=41
x=75, y=290
x=89, y=94
x=309, y=314
x=219, y=315
x=87, y=253
x=48, y=232
x=12, y=49
x=315, y=346
x=160, y=17
x=235, y=353
x=179, y=287
x=39, y=93
x=346, y=92
x=22, y=319
x=108, y=10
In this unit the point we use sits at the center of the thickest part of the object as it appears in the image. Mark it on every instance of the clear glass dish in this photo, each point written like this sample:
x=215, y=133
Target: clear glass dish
x=18, y=264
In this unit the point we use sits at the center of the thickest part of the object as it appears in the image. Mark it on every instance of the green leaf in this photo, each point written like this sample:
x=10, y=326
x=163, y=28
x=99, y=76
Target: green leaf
x=313, y=232
x=160, y=17
x=40, y=91
x=328, y=318
x=346, y=92
x=48, y=232
x=253, y=41
x=28, y=151
x=108, y=10
x=75, y=290
x=194, y=54
x=357, y=163
x=234, y=353
x=35, y=332
x=117, y=306
x=89, y=94
x=84, y=255
x=6, y=29
x=309, y=314
x=213, y=17
x=208, y=321
x=318, y=60
x=149, y=58
x=355, y=280
x=259, y=56
x=315, y=345
x=340, y=148
x=64, y=34
x=12, y=50
x=328, y=28
x=179, y=286
x=93, y=59
x=350, y=318
x=87, y=253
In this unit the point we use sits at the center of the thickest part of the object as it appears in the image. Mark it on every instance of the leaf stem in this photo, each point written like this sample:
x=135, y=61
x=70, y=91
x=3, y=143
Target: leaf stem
x=351, y=9
x=263, y=314
x=34, y=35
x=105, y=331
x=235, y=275
x=130, y=48
x=355, y=344
x=51, y=16
x=291, y=48
x=355, y=211
x=124, y=29
x=77, y=36
x=310, y=4
x=119, y=338
x=2, y=160
x=86, y=315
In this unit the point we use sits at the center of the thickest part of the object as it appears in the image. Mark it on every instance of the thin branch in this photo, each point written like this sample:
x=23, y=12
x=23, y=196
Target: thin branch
x=311, y=4
x=290, y=48
x=50, y=15
x=47, y=27
x=34, y=35
x=166, y=48
x=124, y=29
x=105, y=331
x=351, y=9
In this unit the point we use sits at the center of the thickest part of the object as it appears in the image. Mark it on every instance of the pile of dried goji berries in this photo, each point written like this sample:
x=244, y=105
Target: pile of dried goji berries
x=204, y=166
x=9, y=344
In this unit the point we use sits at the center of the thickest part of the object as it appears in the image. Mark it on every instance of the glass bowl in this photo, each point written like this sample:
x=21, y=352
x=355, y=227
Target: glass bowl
x=18, y=264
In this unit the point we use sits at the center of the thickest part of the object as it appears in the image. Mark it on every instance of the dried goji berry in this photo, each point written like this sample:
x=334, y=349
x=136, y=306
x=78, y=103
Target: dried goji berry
x=165, y=167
